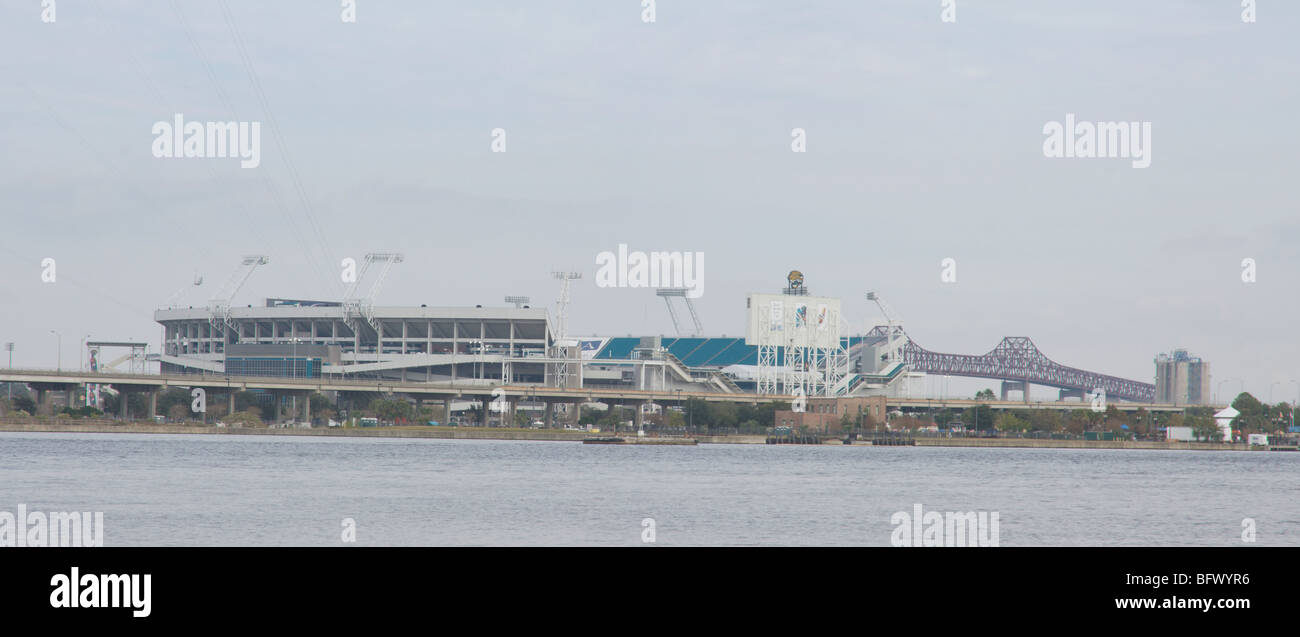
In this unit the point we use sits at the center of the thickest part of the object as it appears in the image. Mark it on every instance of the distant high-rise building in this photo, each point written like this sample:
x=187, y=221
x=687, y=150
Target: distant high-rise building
x=1182, y=379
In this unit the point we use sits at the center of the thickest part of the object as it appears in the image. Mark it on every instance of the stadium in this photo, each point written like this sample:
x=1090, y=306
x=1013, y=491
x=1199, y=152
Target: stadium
x=520, y=345
x=795, y=344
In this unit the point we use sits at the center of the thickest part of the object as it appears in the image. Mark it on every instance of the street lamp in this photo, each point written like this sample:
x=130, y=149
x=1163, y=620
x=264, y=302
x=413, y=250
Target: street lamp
x=1293, y=404
x=85, y=345
x=679, y=398
x=59, y=364
x=1229, y=380
x=293, y=369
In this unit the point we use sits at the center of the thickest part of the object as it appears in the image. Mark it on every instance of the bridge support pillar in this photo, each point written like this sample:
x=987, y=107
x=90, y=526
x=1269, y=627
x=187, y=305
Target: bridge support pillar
x=306, y=407
x=1071, y=393
x=123, y=399
x=550, y=414
x=639, y=419
x=1015, y=385
x=230, y=403
x=153, y=404
x=446, y=411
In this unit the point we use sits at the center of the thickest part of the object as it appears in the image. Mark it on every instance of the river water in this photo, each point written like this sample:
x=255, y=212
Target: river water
x=223, y=490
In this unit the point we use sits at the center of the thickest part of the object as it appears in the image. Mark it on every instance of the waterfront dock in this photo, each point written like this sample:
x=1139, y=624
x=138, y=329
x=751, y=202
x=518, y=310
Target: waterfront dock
x=640, y=440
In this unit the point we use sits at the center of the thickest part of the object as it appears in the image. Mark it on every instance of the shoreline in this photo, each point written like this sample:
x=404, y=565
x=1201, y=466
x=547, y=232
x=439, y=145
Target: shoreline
x=560, y=435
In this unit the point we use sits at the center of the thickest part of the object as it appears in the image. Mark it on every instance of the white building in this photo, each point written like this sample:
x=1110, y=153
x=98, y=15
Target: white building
x=1224, y=418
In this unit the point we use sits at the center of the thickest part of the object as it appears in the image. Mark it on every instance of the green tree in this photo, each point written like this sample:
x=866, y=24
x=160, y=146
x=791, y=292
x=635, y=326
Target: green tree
x=945, y=416
x=25, y=404
x=1252, y=416
x=1078, y=421
x=1280, y=416
x=723, y=415
x=390, y=409
x=1142, y=422
x=246, y=399
x=171, y=397
x=676, y=418
x=248, y=418
x=522, y=418
x=1204, y=427
x=1048, y=420
x=611, y=419
x=178, y=413
x=1007, y=421
x=321, y=407
x=980, y=417
x=985, y=394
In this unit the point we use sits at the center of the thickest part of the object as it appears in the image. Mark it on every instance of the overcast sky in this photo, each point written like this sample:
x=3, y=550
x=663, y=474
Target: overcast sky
x=924, y=142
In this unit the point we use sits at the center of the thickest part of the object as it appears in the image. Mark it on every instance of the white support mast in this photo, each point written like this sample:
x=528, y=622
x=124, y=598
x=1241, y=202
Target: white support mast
x=219, y=305
x=561, y=370
x=358, y=307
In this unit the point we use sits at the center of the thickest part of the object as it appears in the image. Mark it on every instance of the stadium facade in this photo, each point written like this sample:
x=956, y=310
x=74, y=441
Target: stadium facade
x=512, y=345
x=321, y=338
x=487, y=345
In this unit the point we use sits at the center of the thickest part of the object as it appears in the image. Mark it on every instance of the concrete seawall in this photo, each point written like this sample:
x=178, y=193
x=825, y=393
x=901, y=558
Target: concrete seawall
x=1080, y=444
x=478, y=433
x=72, y=426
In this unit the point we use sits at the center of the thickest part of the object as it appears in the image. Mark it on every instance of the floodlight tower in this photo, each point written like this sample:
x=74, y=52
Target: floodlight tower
x=668, y=294
x=895, y=328
x=357, y=307
x=519, y=301
x=561, y=369
x=219, y=305
x=562, y=303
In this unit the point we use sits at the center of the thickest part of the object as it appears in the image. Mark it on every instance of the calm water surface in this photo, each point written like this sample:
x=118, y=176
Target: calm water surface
x=217, y=490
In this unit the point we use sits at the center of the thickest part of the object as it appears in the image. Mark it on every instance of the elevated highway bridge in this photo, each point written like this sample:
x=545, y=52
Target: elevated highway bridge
x=43, y=381
x=1018, y=363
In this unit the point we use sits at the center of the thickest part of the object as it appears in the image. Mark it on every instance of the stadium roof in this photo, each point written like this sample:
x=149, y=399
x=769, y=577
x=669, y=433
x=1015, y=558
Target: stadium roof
x=702, y=352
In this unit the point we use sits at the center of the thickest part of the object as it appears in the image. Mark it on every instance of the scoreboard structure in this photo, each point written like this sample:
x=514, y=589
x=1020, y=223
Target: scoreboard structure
x=799, y=342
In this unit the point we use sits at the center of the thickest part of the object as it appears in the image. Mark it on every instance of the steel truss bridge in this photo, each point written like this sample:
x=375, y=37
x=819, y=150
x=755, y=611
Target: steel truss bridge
x=1017, y=360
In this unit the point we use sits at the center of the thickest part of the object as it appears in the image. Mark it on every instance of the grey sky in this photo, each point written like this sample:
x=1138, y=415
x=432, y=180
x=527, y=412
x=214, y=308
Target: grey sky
x=924, y=142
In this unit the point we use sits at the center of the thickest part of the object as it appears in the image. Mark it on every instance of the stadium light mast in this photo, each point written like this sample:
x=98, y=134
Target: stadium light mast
x=219, y=305
x=890, y=323
x=362, y=307
x=519, y=301
x=668, y=294
x=562, y=303
x=59, y=364
x=560, y=368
